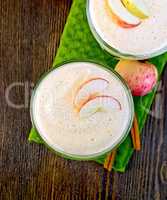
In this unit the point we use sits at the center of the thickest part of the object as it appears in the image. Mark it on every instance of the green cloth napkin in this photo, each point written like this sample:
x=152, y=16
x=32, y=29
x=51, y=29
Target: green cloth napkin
x=77, y=43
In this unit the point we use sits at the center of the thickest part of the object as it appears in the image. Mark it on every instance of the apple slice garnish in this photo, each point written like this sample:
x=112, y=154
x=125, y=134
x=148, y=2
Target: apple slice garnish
x=99, y=104
x=89, y=89
x=121, y=15
x=136, y=8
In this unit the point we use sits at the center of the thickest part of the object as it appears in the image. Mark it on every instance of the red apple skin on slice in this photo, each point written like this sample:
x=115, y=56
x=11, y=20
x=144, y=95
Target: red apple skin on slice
x=118, y=20
x=99, y=104
x=89, y=89
x=121, y=23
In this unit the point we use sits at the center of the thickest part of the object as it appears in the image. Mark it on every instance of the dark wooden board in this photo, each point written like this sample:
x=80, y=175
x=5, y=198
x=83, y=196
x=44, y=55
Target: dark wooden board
x=30, y=32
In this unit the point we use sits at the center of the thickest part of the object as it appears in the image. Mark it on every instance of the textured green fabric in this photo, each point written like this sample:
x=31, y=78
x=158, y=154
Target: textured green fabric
x=77, y=43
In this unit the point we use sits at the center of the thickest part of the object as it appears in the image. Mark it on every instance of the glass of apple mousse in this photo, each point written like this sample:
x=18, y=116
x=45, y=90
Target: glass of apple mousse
x=130, y=29
x=82, y=110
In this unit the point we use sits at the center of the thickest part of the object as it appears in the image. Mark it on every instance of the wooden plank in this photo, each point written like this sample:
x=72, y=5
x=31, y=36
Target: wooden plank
x=29, y=36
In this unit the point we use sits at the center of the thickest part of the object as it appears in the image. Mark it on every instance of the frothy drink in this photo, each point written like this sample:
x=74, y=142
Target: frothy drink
x=146, y=38
x=82, y=109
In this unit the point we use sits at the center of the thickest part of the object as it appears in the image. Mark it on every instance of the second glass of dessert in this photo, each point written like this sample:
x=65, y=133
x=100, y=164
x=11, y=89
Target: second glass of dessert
x=130, y=29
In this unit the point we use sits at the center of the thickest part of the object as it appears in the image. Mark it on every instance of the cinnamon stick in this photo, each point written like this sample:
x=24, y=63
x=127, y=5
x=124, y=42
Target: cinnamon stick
x=135, y=134
x=110, y=160
x=133, y=137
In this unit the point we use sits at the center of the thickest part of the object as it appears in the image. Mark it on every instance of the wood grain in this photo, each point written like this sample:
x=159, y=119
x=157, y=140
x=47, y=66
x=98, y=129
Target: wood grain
x=30, y=32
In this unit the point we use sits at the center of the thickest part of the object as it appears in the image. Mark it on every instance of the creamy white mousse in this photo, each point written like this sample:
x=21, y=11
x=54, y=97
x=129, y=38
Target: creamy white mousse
x=148, y=38
x=62, y=125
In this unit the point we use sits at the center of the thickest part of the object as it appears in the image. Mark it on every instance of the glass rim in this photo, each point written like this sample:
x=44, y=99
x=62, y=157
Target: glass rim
x=113, y=51
x=99, y=153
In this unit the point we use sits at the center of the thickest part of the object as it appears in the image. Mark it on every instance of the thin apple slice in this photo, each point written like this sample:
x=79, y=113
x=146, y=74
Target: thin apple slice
x=121, y=15
x=99, y=104
x=89, y=89
x=137, y=8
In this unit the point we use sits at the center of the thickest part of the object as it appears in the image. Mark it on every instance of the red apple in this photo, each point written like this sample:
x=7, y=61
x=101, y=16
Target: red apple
x=140, y=77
